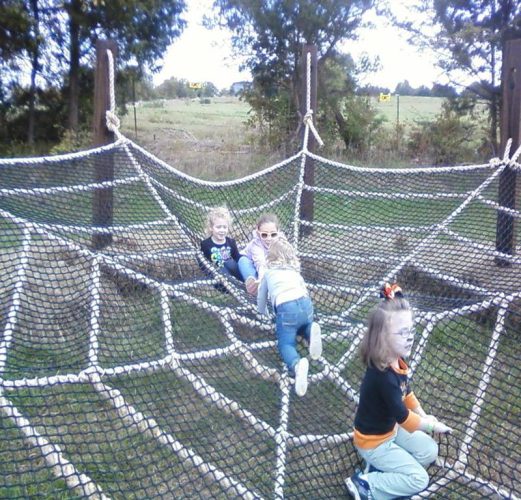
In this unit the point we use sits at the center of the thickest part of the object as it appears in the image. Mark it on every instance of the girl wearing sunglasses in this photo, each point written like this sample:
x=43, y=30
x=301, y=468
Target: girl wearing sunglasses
x=252, y=263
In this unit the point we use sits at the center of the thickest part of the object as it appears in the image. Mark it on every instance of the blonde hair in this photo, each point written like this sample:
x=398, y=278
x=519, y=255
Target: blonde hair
x=375, y=348
x=282, y=254
x=217, y=213
x=268, y=218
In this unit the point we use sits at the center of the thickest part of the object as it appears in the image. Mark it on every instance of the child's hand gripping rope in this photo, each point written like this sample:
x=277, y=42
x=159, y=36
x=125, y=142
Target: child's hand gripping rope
x=430, y=423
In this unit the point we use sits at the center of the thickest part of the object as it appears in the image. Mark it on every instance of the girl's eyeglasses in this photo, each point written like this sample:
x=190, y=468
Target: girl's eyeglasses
x=406, y=332
x=265, y=235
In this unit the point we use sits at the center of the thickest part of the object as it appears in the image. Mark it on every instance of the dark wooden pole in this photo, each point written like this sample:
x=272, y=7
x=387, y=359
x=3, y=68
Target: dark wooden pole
x=510, y=128
x=102, y=201
x=307, y=201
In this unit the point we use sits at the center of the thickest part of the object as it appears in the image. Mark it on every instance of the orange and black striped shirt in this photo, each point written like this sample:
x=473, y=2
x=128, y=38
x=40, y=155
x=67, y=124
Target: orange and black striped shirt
x=385, y=400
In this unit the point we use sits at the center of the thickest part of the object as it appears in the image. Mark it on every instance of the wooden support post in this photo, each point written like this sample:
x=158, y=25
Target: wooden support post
x=102, y=201
x=510, y=128
x=307, y=200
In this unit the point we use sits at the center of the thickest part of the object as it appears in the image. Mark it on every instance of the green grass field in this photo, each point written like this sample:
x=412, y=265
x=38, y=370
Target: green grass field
x=212, y=141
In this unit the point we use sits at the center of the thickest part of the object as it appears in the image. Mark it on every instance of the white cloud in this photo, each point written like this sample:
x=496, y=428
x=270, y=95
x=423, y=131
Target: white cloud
x=202, y=55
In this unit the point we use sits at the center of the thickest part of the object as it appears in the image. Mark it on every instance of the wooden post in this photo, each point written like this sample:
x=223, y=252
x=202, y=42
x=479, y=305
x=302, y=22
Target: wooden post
x=102, y=201
x=307, y=201
x=510, y=128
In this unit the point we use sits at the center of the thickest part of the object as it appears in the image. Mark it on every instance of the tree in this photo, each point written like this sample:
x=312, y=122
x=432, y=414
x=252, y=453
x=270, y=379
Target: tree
x=468, y=37
x=404, y=88
x=271, y=34
x=143, y=29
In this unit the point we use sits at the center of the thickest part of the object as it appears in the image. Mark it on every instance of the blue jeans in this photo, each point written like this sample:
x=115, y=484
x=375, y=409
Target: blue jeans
x=231, y=268
x=246, y=268
x=293, y=318
x=402, y=461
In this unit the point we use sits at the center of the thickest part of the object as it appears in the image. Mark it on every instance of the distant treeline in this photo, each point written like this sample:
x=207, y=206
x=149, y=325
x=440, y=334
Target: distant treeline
x=179, y=88
x=405, y=88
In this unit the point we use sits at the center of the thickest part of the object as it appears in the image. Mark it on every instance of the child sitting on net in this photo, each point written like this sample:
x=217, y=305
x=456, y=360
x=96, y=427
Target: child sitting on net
x=219, y=248
x=252, y=263
x=284, y=285
x=390, y=425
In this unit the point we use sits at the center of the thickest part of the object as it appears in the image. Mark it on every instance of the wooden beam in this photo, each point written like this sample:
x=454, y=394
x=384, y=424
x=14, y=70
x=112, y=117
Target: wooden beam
x=102, y=201
x=510, y=129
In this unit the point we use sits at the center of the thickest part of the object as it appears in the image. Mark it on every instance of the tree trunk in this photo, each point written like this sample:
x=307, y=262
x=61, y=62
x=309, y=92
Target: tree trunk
x=342, y=127
x=74, y=65
x=34, y=71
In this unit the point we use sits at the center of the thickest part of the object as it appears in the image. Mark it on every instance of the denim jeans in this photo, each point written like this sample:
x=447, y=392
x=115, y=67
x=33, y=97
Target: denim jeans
x=293, y=318
x=231, y=268
x=246, y=268
x=401, y=461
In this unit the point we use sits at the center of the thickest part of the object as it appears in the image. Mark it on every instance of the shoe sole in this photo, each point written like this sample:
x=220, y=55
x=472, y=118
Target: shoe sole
x=351, y=487
x=301, y=377
x=315, y=341
x=252, y=286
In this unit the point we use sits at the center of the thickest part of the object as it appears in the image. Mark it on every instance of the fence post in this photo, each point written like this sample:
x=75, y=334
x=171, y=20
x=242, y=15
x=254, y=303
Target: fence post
x=102, y=200
x=307, y=201
x=510, y=128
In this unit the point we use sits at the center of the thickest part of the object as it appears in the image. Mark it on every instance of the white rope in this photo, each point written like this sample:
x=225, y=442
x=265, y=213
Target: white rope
x=141, y=423
x=202, y=182
x=492, y=164
x=52, y=455
x=95, y=311
x=112, y=119
x=308, y=116
x=44, y=161
x=487, y=249
x=387, y=196
x=16, y=301
x=479, y=398
x=308, y=122
x=281, y=438
x=69, y=189
x=241, y=211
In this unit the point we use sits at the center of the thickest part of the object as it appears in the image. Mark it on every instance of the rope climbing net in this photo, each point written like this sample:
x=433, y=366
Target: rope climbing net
x=126, y=372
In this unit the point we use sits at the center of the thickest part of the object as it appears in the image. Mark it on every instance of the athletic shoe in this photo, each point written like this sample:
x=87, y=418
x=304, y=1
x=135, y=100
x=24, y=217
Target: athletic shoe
x=301, y=376
x=315, y=341
x=358, y=488
x=252, y=285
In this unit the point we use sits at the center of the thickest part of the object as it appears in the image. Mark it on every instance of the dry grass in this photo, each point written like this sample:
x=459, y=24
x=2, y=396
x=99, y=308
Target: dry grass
x=209, y=141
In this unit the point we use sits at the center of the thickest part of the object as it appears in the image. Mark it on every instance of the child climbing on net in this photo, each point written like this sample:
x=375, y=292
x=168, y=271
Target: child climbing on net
x=252, y=263
x=293, y=308
x=390, y=425
x=218, y=247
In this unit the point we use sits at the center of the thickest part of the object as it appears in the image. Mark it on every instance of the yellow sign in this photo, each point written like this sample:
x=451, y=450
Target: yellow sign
x=384, y=97
x=195, y=85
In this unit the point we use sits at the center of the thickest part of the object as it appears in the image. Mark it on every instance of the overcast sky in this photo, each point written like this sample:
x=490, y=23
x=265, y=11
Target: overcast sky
x=201, y=55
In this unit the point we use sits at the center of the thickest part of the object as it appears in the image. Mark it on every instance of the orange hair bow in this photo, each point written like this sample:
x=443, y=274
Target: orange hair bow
x=389, y=292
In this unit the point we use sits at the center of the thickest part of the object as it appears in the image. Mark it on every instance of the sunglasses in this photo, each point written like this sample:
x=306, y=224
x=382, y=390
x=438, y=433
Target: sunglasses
x=265, y=235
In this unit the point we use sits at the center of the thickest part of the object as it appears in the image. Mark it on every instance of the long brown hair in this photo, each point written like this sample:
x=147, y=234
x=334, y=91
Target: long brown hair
x=375, y=348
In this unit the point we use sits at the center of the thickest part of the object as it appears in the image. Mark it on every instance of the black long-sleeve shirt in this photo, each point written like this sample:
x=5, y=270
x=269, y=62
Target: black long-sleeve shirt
x=385, y=400
x=219, y=253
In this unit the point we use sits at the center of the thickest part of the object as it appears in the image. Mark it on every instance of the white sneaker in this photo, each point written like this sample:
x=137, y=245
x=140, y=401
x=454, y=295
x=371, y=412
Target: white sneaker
x=301, y=376
x=315, y=341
